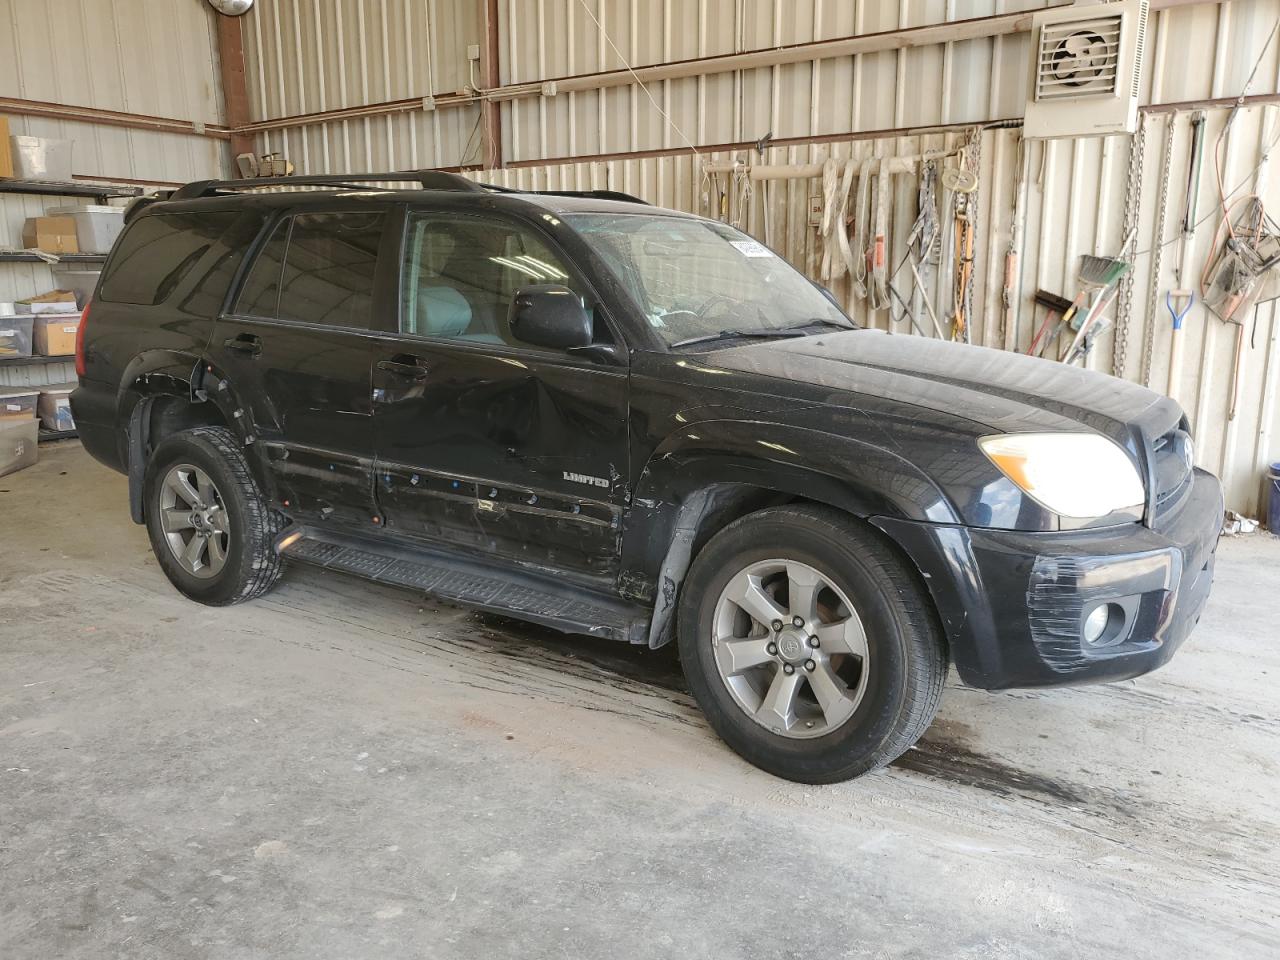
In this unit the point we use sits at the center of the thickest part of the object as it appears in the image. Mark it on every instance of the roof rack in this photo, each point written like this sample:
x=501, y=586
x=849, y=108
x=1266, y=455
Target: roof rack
x=428, y=179
x=593, y=194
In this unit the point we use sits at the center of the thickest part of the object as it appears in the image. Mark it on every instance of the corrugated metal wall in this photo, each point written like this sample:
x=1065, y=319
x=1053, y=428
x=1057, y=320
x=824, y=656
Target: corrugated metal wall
x=155, y=57
x=1074, y=190
x=960, y=82
x=306, y=56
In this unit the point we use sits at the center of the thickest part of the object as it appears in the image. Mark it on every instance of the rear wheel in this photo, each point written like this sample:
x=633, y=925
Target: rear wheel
x=809, y=644
x=211, y=529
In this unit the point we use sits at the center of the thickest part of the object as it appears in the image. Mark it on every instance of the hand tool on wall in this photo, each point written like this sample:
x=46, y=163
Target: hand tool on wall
x=877, y=251
x=923, y=243
x=1098, y=274
x=1179, y=303
x=1058, y=307
x=1191, y=201
x=1091, y=326
x=962, y=181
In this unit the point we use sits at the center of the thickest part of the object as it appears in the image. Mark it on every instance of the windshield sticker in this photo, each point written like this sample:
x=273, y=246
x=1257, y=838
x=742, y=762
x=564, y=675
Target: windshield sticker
x=749, y=248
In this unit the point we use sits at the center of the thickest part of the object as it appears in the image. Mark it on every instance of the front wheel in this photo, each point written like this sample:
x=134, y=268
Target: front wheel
x=211, y=529
x=810, y=645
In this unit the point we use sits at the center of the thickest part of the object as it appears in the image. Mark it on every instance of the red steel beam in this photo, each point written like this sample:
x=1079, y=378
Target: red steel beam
x=235, y=91
x=492, y=78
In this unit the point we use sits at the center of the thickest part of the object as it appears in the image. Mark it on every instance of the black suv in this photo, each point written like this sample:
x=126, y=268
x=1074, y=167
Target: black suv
x=630, y=422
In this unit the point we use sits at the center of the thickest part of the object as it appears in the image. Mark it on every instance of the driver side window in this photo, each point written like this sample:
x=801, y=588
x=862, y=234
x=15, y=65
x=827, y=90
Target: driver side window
x=461, y=273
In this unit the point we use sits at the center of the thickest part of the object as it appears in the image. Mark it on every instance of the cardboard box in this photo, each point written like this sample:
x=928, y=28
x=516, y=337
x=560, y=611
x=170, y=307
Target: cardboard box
x=55, y=335
x=50, y=234
x=18, y=403
x=18, y=442
x=6, y=151
x=55, y=406
x=15, y=336
x=55, y=301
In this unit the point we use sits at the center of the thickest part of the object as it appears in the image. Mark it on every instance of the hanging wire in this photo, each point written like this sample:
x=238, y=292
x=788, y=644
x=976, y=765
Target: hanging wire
x=1224, y=197
x=609, y=40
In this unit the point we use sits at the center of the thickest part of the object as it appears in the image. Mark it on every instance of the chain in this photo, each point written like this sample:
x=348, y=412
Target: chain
x=1132, y=209
x=976, y=160
x=1157, y=257
x=966, y=205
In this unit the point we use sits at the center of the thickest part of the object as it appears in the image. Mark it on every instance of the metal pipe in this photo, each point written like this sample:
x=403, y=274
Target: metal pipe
x=113, y=118
x=804, y=171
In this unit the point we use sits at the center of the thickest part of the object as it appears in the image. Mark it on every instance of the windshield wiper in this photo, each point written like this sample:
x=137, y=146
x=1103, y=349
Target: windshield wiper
x=733, y=334
x=815, y=321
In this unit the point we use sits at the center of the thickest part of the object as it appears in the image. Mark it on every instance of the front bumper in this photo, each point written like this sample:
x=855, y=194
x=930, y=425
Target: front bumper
x=1013, y=603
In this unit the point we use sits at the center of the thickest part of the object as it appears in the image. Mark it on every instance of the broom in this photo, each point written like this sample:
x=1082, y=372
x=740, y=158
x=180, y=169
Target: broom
x=1096, y=273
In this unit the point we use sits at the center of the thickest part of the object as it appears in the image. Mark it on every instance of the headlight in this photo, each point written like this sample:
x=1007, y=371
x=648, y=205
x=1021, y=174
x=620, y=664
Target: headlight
x=1079, y=475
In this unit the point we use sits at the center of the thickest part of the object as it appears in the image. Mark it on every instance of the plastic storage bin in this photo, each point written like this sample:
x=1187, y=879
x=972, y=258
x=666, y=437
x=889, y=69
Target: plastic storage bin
x=96, y=226
x=55, y=406
x=1273, y=499
x=78, y=279
x=15, y=336
x=18, y=403
x=18, y=442
x=41, y=158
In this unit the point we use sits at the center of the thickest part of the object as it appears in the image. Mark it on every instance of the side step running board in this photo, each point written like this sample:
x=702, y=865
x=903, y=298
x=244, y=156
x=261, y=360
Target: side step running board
x=523, y=595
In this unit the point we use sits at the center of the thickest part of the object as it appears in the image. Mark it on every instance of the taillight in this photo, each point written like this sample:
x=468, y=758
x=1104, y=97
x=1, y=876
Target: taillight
x=84, y=323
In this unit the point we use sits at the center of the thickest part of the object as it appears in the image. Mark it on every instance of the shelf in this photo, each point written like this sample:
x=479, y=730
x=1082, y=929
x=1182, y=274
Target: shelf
x=58, y=188
x=56, y=434
x=7, y=256
x=23, y=361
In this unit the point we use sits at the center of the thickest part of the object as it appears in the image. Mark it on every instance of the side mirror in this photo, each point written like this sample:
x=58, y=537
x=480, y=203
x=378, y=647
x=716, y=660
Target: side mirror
x=549, y=315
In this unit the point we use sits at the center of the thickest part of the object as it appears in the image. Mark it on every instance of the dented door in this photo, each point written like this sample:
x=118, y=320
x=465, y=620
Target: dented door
x=519, y=453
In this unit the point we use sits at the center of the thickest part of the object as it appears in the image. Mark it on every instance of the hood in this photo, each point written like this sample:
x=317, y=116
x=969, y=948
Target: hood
x=1005, y=392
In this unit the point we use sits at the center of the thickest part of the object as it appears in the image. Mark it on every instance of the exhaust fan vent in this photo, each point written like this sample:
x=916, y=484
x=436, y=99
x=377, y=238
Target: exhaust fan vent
x=1079, y=59
x=1087, y=70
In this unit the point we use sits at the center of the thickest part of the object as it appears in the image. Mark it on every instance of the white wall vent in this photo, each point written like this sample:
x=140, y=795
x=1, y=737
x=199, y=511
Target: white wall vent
x=1086, y=70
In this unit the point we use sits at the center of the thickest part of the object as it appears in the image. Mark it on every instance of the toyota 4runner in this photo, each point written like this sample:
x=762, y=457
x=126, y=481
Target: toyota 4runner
x=612, y=419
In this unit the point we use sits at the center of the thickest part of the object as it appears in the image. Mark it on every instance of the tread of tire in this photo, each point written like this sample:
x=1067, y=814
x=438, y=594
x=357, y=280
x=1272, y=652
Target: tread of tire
x=924, y=691
x=922, y=698
x=265, y=563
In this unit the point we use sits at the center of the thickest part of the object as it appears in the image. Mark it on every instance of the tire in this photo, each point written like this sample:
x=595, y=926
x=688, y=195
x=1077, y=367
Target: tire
x=237, y=561
x=875, y=647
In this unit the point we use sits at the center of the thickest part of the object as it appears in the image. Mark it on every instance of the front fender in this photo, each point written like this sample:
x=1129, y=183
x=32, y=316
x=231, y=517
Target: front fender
x=700, y=468
x=854, y=475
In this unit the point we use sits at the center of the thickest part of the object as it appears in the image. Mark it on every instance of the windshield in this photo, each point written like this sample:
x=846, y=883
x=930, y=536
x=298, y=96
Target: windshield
x=698, y=280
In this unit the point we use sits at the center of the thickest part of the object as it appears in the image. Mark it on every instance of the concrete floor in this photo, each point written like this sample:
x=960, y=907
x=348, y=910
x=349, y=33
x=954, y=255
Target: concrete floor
x=343, y=771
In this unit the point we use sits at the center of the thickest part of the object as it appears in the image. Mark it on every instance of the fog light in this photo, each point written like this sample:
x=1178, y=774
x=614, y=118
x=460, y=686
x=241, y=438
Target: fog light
x=1096, y=623
x=1103, y=626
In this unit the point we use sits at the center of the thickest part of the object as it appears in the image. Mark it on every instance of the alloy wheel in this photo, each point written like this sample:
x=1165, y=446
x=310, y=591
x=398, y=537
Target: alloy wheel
x=193, y=518
x=790, y=648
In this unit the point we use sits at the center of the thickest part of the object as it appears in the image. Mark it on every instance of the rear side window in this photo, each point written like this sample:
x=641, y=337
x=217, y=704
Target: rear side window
x=260, y=295
x=317, y=268
x=158, y=252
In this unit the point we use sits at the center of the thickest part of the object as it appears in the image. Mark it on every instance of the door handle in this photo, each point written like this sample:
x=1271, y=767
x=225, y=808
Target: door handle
x=245, y=343
x=405, y=367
